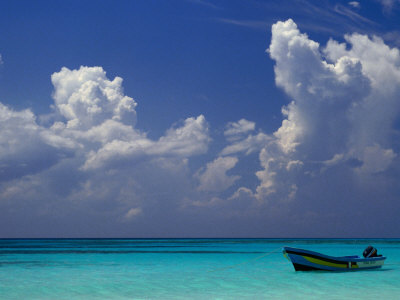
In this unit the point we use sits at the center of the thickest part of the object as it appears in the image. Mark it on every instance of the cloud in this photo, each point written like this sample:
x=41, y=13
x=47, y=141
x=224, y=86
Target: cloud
x=253, y=24
x=388, y=5
x=20, y=132
x=334, y=158
x=188, y=140
x=392, y=37
x=132, y=213
x=325, y=16
x=332, y=162
x=86, y=97
x=91, y=162
x=214, y=177
x=354, y=4
x=1, y=60
x=341, y=120
x=376, y=159
x=237, y=133
x=247, y=145
x=102, y=119
x=320, y=91
x=241, y=127
x=204, y=3
x=355, y=17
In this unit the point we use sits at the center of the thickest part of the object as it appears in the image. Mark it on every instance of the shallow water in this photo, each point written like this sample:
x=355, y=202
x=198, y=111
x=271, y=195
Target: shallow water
x=187, y=268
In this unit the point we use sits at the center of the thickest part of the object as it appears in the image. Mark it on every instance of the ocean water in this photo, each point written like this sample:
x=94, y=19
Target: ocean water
x=187, y=269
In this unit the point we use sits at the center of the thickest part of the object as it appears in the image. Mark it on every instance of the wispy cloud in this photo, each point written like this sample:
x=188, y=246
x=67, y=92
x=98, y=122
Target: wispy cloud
x=355, y=4
x=393, y=37
x=337, y=14
x=388, y=5
x=355, y=17
x=204, y=3
x=313, y=27
x=324, y=17
x=246, y=23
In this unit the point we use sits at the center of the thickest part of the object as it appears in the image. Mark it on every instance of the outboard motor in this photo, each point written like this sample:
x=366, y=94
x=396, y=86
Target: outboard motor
x=370, y=252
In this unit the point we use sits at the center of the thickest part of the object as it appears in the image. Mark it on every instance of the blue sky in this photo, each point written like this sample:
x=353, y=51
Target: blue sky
x=195, y=118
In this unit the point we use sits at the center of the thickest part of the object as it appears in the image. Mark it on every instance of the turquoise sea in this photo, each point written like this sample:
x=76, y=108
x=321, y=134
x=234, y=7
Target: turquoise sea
x=187, y=269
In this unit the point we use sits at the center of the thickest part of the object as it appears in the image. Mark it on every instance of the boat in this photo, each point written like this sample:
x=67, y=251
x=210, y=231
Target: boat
x=306, y=260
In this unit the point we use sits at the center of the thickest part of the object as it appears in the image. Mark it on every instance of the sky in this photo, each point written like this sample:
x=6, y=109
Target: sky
x=199, y=118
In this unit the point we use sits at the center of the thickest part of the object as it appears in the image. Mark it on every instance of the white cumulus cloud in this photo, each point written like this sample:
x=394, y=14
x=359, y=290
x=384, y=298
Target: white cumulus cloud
x=86, y=97
x=340, y=123
x=241, y=140
x=190, y=139
x=214, y=177
x=235, y=129
x=25, y=146
x=99, y=116
x=92, y=155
